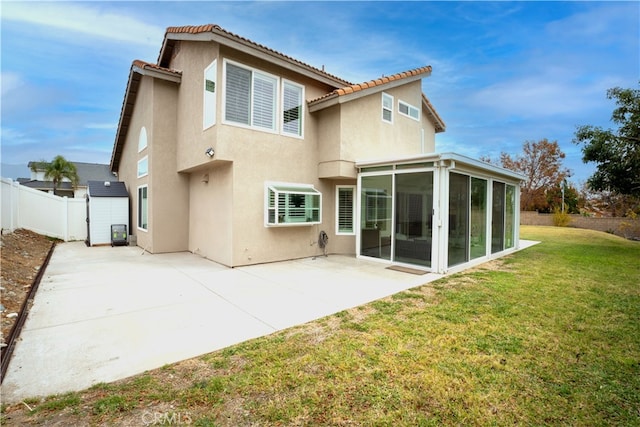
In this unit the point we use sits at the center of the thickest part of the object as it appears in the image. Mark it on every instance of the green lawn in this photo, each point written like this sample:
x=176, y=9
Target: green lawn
x=546, y=336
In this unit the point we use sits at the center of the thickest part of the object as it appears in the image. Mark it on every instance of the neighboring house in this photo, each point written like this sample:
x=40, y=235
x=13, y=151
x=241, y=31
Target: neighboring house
x=244, y=155
x=86, y=172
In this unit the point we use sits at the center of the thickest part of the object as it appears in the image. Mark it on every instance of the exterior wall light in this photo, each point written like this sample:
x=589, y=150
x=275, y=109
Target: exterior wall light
x=210, y=152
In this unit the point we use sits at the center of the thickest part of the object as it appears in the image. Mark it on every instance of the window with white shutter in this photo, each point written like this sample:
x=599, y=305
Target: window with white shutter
x=209, y=96
x=292, y=204
x=237, y=94
x=292, y=96
x=264, y=101
x=345, y=209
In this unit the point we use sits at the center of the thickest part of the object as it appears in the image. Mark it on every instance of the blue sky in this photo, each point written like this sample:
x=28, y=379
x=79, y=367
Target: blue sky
x=503, y=72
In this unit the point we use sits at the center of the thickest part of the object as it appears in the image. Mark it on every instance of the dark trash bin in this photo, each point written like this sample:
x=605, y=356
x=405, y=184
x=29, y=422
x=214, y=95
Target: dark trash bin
x=118, y=235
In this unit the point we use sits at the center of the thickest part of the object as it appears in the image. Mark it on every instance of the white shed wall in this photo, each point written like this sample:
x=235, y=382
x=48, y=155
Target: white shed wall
x=103, y=212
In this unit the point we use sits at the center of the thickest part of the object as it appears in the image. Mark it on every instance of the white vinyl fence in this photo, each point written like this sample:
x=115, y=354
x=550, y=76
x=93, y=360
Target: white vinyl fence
x=43, y=213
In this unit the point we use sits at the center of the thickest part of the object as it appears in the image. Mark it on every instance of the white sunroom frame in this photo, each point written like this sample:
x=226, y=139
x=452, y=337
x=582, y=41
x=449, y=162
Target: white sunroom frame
x=443, y=165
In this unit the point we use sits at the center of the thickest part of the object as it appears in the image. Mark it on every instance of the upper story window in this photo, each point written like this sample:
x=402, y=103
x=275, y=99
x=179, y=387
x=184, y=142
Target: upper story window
x=387, y=108
x=250, y=97
x=292, y=204
x=142, y=139
x=408, y=110
x=262, y=101
x=143, y=167
x=209, y=98
x=292, y=113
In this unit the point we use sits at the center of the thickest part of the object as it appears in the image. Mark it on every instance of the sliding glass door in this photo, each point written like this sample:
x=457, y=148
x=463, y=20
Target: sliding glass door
x=478, y=230
x=458, y=219
x=376, y=209
x=414, y=208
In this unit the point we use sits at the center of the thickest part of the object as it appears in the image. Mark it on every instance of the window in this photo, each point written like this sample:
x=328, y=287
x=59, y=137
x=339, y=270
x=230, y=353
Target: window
x=387, y=108
x=142, y=139
x=250, y=97
x=143, y=208
x=345, y=209
x=209, y=97
x=143, y=167
x=292, y=204
x=408, y=110
x=292, y=96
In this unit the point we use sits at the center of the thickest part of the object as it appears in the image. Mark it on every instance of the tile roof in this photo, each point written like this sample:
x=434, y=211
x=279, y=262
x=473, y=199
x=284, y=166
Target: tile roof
x=374, y=83
x=148, y=66
x=165, y=52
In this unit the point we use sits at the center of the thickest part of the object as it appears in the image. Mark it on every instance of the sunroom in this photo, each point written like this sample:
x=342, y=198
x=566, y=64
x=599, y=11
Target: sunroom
x=437, y=212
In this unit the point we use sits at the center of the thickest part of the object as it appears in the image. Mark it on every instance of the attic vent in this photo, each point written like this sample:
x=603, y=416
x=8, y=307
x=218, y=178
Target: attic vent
x=107, y=184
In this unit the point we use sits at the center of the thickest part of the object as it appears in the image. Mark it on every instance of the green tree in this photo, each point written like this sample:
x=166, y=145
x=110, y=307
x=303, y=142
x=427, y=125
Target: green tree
x=58, y=169
x=616, y=152
x=541, y=164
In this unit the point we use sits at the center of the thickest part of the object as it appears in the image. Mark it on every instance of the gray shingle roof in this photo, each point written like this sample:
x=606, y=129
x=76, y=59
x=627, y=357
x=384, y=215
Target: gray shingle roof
x=114, y=189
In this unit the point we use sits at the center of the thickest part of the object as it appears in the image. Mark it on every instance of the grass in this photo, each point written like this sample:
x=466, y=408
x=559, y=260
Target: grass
x=546, y=336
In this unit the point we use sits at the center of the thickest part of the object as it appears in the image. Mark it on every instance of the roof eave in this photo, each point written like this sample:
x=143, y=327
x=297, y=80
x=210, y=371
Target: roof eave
x=137, y=71
x=448, y=156
x=227, y=39
x=334, y=99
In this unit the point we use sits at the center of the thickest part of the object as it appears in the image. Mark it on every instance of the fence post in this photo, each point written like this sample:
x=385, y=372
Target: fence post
x=65, y=218
x=15, y=205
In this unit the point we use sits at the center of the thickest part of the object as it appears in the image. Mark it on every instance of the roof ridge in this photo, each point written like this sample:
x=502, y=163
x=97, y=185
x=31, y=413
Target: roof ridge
x=210, y=28
x=356, y=87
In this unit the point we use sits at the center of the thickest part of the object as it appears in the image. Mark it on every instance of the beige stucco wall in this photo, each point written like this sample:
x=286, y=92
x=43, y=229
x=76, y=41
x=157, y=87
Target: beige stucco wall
x=222, y=217
x=211, y=212
x=128, y=168
x=169, y=190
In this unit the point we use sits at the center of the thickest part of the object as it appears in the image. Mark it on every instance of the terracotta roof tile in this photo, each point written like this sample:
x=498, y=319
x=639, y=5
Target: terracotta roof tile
x=373, y=83
x=142, y=64
x=212, y=28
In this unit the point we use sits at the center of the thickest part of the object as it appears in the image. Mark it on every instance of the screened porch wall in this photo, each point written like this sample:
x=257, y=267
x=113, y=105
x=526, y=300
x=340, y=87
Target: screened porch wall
x=437, y=216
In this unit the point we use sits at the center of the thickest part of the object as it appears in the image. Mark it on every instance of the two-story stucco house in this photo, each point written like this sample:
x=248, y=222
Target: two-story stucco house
x=244, y=155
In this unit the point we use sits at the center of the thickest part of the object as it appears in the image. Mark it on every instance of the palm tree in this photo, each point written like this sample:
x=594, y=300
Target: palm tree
x=58, y=169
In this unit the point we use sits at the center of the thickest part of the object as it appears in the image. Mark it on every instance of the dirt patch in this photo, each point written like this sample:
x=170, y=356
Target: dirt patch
x=22, y=254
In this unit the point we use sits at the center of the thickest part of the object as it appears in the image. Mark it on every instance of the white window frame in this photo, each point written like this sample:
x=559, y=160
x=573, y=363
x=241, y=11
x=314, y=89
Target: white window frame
x=385, y=108
x=289, y=218
x=353, y=210
x=300, y=133
x=140, y=213
x=145, y=171
x=410, y=109
x=142, y=139
x=209, y=90
x=254, y=72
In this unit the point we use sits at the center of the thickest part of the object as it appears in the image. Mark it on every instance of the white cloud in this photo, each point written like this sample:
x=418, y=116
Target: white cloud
x=91, y=21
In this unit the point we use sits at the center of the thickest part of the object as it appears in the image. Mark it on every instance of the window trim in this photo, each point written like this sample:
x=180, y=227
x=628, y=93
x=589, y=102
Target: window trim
x=299, y=135
x=353, y=210
x=146, y=172
x=139, y=207
x=253, y=71
x=288, y=188
x=409, y=109
x=390, y=97
x=143, y=132
x=209, y=100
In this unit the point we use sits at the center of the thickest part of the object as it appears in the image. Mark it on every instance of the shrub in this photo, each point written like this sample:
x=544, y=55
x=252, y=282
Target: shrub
x=560, y=219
